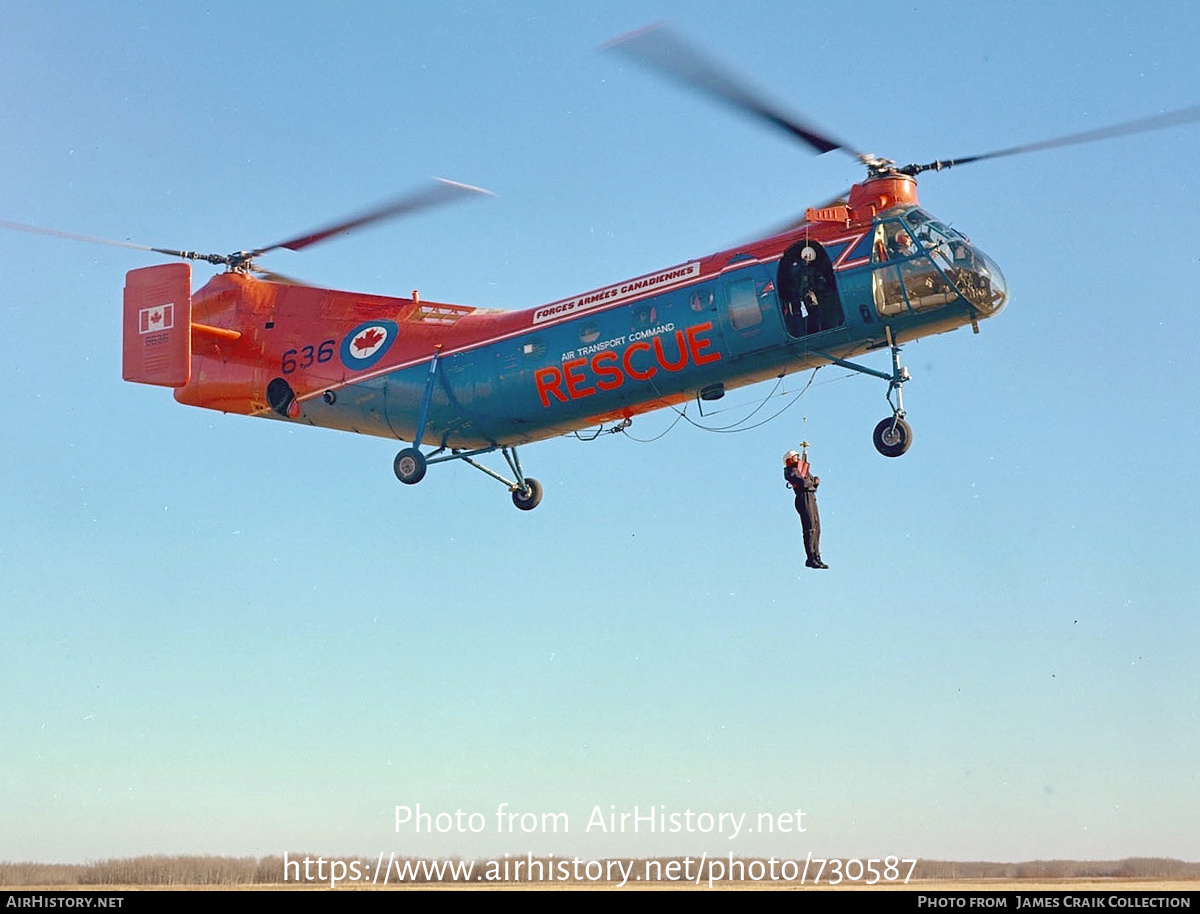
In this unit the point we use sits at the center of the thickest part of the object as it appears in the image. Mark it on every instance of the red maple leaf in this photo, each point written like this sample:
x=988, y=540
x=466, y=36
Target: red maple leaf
x=368, y=339
x=156, y=317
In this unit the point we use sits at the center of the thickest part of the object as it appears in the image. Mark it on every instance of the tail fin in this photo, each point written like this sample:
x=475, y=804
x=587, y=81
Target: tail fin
x=158, y=325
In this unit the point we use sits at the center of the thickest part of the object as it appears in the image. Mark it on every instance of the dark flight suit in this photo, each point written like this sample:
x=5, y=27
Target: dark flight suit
x=806, y=506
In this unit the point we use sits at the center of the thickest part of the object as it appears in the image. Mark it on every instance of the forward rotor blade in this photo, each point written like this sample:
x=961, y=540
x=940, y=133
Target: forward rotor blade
x=659, y=49
x=55, y=233
x=442, y=191
x=1141, y=125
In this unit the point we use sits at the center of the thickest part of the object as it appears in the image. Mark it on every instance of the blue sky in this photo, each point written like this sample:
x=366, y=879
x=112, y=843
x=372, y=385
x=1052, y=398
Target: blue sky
x=237, y=637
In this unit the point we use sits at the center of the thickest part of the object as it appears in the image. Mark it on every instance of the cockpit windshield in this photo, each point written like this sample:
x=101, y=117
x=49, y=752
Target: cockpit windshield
x=922, y=263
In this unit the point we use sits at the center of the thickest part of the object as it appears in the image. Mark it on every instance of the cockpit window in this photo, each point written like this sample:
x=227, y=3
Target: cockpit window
x=978, y=278
x=923, y=264
x=893, y=241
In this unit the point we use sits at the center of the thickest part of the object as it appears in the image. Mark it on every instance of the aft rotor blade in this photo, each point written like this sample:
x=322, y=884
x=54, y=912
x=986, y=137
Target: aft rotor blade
x=1141, y=125
x=658, y=48
x=55, y=233
x=440, y=192
x=280, y=278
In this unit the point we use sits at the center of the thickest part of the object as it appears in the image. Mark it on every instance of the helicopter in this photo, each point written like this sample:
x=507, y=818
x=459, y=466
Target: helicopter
x=867, y=270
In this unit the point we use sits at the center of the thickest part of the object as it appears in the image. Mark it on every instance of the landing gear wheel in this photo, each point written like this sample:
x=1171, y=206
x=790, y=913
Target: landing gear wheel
x=530, y=497
x=409, y=466
x=893, y=437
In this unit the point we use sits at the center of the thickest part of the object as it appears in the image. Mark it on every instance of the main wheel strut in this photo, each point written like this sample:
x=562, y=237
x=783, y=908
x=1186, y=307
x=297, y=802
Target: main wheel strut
x=410, y=466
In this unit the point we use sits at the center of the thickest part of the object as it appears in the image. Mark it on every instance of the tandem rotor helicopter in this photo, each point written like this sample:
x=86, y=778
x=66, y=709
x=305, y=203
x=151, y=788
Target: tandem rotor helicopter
x=869, y=270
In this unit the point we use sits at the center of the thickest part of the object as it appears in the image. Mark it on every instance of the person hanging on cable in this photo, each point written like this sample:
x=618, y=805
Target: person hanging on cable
x=797, y=475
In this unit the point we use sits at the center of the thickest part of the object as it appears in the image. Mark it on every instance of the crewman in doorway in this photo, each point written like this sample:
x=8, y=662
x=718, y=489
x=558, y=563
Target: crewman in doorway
x=797, y=475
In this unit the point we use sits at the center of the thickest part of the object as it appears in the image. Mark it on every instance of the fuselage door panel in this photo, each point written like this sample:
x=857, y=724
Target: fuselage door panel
x=749, y=311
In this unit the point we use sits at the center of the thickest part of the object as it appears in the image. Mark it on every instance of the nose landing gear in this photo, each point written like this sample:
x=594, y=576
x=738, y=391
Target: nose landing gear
x=893, y=436
x=528, y=498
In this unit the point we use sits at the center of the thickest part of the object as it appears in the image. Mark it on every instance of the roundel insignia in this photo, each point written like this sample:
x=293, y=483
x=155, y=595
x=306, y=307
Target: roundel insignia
x=367, y=343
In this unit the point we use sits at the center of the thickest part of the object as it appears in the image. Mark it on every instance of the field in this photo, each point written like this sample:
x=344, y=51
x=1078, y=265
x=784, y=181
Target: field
x=268, y=874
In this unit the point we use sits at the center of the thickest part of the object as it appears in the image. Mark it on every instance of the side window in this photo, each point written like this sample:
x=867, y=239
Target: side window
x=879, y=252
x=744, y=311
x=887, y=252
x=700, y=299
